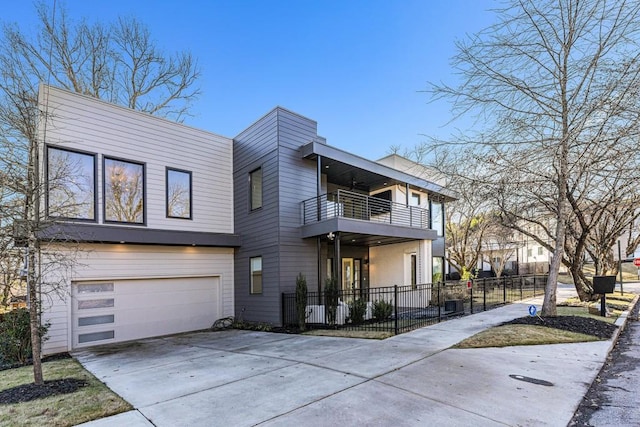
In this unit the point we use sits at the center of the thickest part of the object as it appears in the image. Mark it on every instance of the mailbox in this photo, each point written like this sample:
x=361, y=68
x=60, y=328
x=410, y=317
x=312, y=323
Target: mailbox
x=604, y=284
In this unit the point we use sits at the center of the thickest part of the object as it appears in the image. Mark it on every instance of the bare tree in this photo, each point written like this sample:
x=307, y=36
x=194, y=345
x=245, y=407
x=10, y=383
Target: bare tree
x=554, y=87
x=118, y=63
x=499, y=245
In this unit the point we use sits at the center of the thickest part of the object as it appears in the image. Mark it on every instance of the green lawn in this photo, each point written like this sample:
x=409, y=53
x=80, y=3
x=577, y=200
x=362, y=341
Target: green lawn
x=86, y=404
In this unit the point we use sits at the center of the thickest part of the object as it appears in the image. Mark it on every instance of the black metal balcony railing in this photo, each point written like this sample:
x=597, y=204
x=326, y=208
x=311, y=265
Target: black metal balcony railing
x=347, y=204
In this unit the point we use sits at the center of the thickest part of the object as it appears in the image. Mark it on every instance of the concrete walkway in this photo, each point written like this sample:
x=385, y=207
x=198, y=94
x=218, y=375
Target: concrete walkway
x=241, y=378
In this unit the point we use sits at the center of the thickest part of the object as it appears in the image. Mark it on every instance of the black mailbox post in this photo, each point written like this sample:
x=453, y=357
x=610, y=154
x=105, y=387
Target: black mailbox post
x=603, y=285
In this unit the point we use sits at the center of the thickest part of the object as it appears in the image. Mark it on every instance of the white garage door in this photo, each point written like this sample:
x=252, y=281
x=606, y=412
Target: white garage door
x=121, y=310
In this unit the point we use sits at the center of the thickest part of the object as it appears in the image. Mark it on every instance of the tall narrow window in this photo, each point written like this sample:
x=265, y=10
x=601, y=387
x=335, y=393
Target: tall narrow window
x=437, y=270
x=256, y=274
x=178, y=193
x=415, y=199
x=71, y=184
x=437, y=218
x=414, y=270
x=123, y=191
x=255, y=185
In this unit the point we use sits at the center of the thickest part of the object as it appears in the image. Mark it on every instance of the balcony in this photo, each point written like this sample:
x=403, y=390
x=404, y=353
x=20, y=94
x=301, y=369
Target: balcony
x=356, y=206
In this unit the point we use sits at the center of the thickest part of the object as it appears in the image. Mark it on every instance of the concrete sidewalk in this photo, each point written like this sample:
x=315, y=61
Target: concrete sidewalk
x=243, y=378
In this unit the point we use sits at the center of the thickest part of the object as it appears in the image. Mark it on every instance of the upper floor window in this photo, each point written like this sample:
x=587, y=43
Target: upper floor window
x=540, y=249
x=71, y=184
x=255, y=186
x=437, y=218
x=124, y=191
x=415, y=199
x=178, y=193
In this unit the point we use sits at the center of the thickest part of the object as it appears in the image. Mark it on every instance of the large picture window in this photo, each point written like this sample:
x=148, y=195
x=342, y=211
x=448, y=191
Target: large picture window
x=178, y=193
x=123, y=191
x=256, y=274
x=71, y=184
x=255, y=186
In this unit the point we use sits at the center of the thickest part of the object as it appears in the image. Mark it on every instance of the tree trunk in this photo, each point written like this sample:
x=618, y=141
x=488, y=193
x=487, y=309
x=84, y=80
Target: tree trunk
x=34, y=320
x=584, y=289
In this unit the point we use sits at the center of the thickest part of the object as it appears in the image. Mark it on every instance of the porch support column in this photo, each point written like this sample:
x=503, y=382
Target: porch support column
x=319, y=256
x=337, y=260
x=319, y=175
x=425, y=261
x=318, y=194
x=406, y=196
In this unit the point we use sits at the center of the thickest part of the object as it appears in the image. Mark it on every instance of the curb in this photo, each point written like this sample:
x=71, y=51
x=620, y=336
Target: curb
x=621, y=323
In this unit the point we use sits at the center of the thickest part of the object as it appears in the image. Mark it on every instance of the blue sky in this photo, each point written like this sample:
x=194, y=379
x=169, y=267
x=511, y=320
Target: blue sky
x=355, y=66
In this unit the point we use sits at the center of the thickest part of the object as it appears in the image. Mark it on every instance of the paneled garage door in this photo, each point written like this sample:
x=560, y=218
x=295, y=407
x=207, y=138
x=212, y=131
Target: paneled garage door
x=121, y=310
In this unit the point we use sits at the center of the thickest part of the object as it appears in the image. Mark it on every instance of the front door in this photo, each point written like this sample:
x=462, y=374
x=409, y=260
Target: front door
x=351, y=271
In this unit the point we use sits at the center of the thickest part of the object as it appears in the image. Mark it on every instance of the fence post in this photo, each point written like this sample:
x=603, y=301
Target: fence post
x=534, y=285
x=521, y=284
x=395, y=303
x=484, y=294
x=439, y=307
x=471, y=302
x=504, y=289
x=283, y=313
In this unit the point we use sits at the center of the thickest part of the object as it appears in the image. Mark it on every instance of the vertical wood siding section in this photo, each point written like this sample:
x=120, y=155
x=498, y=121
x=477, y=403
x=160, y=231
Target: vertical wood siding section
x=256, y=147
x=297, y=182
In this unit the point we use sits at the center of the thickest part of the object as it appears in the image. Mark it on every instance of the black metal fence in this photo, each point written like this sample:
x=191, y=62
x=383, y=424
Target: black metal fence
x=398, y=309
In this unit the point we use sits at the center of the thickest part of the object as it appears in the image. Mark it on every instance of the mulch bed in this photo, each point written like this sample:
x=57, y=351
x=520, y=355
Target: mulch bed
x=29, y=392
x=580, y=324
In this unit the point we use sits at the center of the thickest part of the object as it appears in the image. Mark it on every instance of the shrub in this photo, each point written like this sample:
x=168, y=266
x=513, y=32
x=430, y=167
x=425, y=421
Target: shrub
x=357, y=310
x=331, y=294
x=15, y=337
x=382, y=310
x=301, y=301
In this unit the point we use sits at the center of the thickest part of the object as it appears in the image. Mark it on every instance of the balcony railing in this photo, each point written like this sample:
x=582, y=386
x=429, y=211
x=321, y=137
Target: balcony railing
x=347, y=204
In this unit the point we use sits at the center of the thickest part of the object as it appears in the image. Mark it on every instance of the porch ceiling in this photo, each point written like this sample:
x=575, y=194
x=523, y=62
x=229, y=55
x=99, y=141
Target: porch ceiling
x=357, y=232
x=354, y=172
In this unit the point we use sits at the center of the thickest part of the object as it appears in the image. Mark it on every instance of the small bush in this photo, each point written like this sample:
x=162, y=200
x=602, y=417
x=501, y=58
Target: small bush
x=301, y=301
x=357, y=310
x=331, y=295
x=382, y=310
x=15, y=337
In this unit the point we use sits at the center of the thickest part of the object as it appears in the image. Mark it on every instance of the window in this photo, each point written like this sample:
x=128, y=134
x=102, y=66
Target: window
x=540, y=250
x=437, y=222
x=71, y=184
x=529, y=252
x=123, y=191
x=437, y=269
x=256, y=274
x=415, y=199
x=255, y=185
x=178, y=193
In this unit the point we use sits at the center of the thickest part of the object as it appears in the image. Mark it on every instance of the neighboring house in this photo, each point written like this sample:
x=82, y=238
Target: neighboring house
x=178, y=227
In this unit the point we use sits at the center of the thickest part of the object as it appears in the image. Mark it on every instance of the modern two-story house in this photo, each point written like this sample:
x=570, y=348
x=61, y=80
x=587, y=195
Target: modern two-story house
x=165, y=228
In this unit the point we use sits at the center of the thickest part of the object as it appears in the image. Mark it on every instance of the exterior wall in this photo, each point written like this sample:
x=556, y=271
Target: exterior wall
x=390, y=264
x=297, y=182
x=84, y=123
x=113, y=262
x=273, y=231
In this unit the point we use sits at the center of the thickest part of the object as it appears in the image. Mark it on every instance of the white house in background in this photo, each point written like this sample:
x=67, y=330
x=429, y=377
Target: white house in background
x=175, y=227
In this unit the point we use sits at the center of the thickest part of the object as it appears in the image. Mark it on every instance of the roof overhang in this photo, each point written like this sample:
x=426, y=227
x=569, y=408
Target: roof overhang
x=343, y=168
x=95, y=233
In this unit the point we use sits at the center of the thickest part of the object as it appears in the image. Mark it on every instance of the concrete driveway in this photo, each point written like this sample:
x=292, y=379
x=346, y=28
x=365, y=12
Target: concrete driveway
x=243, y=378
